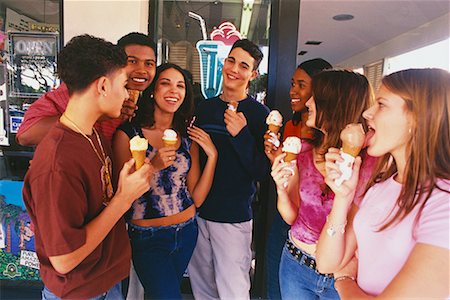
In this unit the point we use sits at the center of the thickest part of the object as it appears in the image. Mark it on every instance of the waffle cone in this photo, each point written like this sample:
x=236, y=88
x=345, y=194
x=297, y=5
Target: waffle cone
x=139, y=158
x=168, y=143
x=274, y=128
x=290, y=157
x=351, y=150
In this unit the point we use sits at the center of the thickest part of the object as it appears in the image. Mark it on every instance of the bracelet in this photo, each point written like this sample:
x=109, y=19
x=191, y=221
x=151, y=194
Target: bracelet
x=344, y=277
x=332, y=229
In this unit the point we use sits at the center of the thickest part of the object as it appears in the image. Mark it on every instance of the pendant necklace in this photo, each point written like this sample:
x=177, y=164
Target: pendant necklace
x=105, y=171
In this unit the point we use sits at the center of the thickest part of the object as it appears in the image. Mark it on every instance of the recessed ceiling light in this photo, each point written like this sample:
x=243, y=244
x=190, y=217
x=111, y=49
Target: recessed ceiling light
x=313, y=43
x=343, y=17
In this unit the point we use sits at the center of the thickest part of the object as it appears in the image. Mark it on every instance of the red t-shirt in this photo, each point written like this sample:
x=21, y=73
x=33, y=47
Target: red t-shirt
x=54, y=103
x=63, y=192
x=300, y=130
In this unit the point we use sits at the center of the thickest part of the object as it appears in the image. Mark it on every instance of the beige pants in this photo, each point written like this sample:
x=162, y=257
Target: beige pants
x=220, y=265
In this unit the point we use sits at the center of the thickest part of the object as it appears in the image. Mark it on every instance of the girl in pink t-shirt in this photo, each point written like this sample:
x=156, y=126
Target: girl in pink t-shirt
x=304, y=200
x=401, y=229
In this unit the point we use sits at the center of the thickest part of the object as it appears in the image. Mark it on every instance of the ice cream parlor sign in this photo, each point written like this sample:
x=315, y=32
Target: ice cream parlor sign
x=212, y=55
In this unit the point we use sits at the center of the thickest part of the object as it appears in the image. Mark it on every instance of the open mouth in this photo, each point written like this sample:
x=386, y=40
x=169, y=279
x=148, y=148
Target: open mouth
x=171, y=99
x=139, y=79
x=370, y=132
x=295, y=100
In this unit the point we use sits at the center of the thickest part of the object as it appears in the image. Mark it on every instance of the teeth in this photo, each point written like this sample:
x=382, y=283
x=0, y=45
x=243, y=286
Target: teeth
x=295, y=100
x=172, y=99
x=139, y=79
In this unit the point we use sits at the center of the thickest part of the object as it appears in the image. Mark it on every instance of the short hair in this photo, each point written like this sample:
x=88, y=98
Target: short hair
x=86, y=58
x=145, y=114
x=136, y=38
x=314, y=66
x=251, y=48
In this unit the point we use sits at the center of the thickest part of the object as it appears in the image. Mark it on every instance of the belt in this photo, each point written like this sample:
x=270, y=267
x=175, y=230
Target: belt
x=303, y=258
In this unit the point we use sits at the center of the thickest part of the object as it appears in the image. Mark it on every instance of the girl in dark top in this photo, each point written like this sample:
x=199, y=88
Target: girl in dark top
x=162, y=225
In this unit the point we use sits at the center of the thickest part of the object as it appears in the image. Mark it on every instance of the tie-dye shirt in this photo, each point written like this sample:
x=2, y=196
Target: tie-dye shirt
x=168, y=193
x=315, y=200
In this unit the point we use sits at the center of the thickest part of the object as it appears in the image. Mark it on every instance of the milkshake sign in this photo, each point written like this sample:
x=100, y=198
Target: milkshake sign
x=212, y=55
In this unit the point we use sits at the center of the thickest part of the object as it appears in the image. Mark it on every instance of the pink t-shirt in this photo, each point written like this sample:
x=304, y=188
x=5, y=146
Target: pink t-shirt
x=54, y=103
x=314, y=204
x=381, y=255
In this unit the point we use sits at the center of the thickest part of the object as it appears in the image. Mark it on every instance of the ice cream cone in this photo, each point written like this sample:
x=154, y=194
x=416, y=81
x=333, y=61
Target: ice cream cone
x=169, y=138
x=274, y=120
x=138, y=148
x=169, y=143
x=351, y=149
x=139, y=158
x=292, y=146
x=290, y=156
x=274, y=128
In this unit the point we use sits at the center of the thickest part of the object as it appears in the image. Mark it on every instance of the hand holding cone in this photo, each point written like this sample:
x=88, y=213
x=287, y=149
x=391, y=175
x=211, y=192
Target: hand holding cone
x=352, y=137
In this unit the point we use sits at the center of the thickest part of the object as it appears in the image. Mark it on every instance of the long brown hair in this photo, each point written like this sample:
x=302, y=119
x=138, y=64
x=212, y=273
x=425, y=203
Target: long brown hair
x=426, y=93
x=341, y=97
x=145, y=113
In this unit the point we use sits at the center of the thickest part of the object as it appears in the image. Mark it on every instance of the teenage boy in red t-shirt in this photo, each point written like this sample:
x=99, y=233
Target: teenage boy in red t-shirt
x=81, y=240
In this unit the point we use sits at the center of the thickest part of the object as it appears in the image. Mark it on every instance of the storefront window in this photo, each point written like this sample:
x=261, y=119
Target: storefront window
x=29, y=42
x=197, y=35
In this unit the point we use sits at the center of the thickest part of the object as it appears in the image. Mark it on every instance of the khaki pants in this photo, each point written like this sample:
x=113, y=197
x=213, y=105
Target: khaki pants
x=220, y=265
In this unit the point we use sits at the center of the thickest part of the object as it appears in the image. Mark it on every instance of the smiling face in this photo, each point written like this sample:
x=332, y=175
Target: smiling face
x=300, y=90
x=389, y=123
x=141, y=66
x=238, y=70
x=170, y=91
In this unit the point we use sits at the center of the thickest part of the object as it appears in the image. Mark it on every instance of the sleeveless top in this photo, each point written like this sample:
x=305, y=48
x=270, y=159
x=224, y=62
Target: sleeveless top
x=168, y=193
x=315, y=204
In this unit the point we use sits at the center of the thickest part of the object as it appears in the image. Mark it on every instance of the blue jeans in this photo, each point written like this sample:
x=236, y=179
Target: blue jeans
x=161, y=255
x=298, y=281
x=114, y=293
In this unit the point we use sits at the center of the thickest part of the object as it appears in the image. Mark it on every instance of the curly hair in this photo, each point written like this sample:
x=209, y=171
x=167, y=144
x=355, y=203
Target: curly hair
x=146, y=103
x=86, y=58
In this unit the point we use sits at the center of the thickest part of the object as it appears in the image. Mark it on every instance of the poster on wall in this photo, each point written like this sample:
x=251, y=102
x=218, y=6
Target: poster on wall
x=18, y=259
x=32, y=65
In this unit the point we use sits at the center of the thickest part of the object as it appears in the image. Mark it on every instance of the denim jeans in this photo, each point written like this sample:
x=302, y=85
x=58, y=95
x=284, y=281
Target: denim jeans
x=114, y=293
x=298, y=281
x=161, y=255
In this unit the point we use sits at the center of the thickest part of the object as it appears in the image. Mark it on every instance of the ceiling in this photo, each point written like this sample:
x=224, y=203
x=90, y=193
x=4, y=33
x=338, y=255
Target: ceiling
x=44, y=11
x=374, y=23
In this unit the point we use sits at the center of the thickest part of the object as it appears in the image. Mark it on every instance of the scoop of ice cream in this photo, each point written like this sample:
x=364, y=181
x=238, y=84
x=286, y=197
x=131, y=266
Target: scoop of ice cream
x=170, y=135
x=292, y=144
x=138, y=144
x=274, y=118
x=134, y=95
x=352, y=137
x=232, y=105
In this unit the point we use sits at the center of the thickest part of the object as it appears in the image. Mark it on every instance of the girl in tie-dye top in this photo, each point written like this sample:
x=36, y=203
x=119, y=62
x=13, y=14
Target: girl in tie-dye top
x=161, y=224
x=304, y=200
